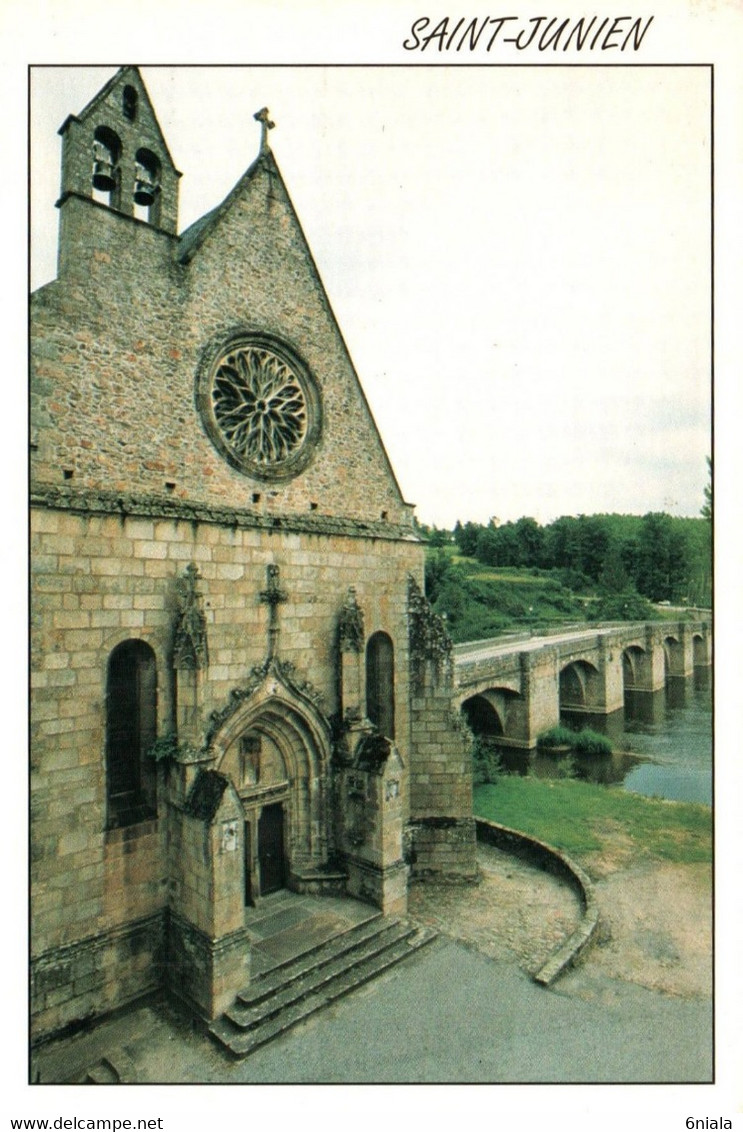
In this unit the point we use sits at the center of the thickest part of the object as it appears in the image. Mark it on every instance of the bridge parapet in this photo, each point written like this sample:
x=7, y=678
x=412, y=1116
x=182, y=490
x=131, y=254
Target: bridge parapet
x=598, y=664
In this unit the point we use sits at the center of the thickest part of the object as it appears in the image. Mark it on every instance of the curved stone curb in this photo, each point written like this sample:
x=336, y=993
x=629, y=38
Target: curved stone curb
x=551, y=860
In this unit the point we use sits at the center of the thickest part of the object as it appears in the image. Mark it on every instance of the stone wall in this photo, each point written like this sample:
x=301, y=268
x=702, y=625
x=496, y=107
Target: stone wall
x=441, y=823
x=442, y=829
x=118, y=339
x=208, y=953
x=100, y=579
x=86, y=978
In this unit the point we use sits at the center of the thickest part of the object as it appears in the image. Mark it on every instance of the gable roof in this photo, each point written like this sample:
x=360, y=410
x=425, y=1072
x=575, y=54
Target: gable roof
x=194, y=236
x=199, y=232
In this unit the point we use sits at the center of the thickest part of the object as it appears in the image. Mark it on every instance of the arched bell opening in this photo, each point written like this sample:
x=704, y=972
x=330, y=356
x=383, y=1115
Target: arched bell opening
x=106, y=176
x=147, y=170
x=129, y=101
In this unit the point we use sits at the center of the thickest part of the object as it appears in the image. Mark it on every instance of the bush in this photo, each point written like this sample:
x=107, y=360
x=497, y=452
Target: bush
x=589, y=742
x=567, y=767
x=167, y=748
x=556, y=737
x=486, y=762
x=628, y=606
x=585, y=742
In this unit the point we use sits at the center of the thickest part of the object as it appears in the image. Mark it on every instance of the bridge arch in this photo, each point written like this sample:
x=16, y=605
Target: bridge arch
x=701, y=648
x=673, y=656
x=634, y=659
x=580, y=686
x=490, y=712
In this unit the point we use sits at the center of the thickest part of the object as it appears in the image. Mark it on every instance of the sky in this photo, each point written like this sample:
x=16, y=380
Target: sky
x=518, y=258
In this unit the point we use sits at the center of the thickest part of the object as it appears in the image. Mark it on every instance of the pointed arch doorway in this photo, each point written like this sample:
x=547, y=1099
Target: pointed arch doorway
x=276, y=750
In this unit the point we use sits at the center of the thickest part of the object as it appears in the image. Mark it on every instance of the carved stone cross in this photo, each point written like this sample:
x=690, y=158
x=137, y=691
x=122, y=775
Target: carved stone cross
x=189, y=642
x=273, y=596
x=266, y=125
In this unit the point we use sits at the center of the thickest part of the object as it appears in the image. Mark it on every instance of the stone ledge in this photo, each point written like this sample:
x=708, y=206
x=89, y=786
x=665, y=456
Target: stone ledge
x=92, y=502
x=551, y=860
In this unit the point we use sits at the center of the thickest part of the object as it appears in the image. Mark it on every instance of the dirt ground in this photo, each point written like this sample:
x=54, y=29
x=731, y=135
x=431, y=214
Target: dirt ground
x=659, y=917
x=656, y=917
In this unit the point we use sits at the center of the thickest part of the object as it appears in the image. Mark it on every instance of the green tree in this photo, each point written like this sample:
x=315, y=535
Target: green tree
x=700, y=590
x=466, y=538
x=626, y=606
x=489, y=547
x=438, y=569
x=439, y=537
x=561, y=544
x=593, y=543
x=529, y=538
x=707, y=506
x=614, y=578
x=662, y=559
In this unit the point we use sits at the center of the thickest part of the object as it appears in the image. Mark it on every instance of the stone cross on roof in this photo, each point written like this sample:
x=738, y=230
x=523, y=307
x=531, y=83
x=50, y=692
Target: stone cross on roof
x=266, y=125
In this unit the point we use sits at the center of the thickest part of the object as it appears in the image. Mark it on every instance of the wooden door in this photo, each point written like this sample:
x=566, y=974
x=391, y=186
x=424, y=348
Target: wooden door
x=248, y=865
x=271, y=848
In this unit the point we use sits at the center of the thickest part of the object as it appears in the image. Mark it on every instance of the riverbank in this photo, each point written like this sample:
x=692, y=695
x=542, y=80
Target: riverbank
x=580, y=817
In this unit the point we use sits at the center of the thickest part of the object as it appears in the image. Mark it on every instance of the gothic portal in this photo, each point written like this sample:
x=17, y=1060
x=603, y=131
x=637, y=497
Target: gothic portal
x=237, y=684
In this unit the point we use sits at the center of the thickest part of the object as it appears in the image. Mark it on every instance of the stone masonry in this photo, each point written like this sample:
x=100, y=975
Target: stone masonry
x=242, y=602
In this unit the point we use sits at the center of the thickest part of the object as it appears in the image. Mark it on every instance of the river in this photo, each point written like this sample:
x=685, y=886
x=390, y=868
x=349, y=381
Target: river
x=662, y=744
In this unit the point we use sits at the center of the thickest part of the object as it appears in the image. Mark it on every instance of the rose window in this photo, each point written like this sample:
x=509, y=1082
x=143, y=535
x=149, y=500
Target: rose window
x=261, y=409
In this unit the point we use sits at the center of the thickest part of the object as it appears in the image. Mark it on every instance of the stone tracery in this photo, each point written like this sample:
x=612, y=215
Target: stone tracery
x=259, y=405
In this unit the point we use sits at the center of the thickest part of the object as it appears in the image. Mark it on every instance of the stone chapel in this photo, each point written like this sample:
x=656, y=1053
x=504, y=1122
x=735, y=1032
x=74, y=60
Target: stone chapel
x=236, y=682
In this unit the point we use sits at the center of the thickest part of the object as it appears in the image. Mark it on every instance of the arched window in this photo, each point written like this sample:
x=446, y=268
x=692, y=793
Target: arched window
x=380, y=683
x=131, y=728
x=106, y=173
x=129, y=103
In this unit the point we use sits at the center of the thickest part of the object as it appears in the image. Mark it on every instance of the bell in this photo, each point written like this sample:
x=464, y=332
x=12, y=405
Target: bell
x=144, y=191
x=103, y=175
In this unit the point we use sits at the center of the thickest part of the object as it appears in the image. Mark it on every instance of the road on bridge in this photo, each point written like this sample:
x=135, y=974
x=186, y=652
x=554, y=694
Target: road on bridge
x=504, y=646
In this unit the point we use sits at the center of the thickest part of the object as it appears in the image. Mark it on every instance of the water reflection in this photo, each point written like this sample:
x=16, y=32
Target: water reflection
x=662, y=744
x=703, y=679
x=609, y=770
x=645, y=707
x=676, y=688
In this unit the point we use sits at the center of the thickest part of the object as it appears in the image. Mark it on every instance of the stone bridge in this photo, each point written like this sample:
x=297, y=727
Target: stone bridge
x=516, y=688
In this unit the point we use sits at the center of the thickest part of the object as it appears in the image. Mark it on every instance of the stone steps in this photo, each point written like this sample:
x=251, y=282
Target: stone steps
x=286, y=995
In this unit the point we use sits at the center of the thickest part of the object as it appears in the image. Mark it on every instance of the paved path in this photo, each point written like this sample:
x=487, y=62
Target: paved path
x=449, y=1014
x=455, y=1012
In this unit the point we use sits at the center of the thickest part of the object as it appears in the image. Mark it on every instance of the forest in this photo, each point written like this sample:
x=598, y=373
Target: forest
x=488, y=578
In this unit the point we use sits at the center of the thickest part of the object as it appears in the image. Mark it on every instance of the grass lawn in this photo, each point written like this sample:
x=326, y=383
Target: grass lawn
x=570, y=815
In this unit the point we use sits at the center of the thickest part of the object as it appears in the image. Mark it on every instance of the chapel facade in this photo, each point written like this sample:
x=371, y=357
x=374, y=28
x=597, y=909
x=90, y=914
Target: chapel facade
x=236, y=682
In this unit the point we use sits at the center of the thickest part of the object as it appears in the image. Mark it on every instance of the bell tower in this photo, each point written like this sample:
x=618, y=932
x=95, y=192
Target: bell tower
x=114, y=157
